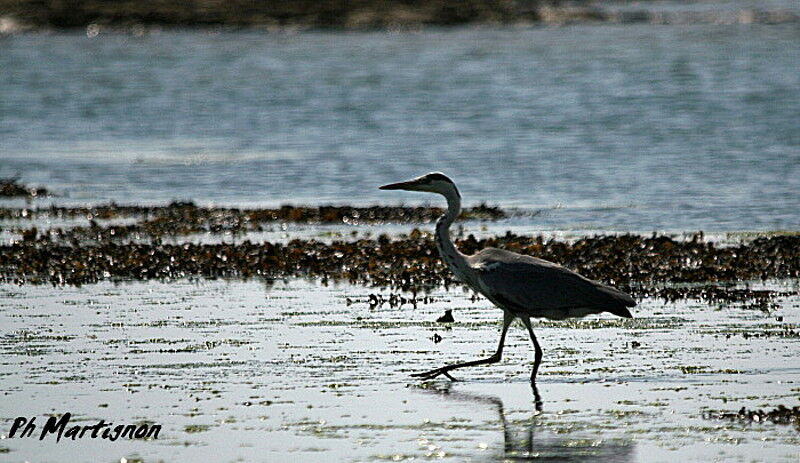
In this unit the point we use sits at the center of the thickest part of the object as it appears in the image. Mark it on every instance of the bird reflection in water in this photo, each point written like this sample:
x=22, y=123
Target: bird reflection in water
x=519, y=436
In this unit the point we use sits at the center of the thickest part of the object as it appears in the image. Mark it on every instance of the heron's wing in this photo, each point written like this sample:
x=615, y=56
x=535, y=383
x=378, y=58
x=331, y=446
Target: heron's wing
x=543, y=289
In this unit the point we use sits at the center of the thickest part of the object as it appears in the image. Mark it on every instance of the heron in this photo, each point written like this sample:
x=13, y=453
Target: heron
x=522, y=286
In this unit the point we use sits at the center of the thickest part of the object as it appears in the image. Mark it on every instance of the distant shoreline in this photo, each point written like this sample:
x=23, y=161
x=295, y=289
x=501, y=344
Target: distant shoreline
x=141, y=16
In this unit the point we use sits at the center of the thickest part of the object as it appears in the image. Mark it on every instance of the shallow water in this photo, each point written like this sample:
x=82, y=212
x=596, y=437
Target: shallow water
x=254, y=371
x=632, y=128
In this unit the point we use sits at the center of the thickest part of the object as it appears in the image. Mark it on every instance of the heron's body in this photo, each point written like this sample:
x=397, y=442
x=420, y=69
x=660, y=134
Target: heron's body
x=523, y=286
x=528, y=286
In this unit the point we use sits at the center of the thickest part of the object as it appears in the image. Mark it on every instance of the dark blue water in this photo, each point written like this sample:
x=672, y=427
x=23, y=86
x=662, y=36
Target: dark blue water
x=636, y=127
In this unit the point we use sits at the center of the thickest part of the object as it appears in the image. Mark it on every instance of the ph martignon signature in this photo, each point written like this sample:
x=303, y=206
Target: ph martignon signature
x=60, y=427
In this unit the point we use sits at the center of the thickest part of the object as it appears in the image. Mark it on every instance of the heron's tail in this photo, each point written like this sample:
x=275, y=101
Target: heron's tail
x=622, y=311
x=618, y=301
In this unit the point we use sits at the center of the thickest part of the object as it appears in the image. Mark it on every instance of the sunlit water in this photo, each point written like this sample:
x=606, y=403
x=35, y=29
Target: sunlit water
x=635, y=127
x=248, y=372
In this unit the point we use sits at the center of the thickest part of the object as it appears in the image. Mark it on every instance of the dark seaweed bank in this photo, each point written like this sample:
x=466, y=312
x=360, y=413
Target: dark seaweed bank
x=409, y=262
x=181, y=218
x=12, y=188
x=780, y=415
x=18, y=15
x=86, y=254
x=336, y=14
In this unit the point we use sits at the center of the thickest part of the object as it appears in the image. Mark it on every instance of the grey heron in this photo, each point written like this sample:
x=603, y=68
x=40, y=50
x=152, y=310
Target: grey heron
x=523, y=286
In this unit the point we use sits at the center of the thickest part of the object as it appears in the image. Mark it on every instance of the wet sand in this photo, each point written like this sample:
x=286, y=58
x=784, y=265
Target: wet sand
x=261, y=371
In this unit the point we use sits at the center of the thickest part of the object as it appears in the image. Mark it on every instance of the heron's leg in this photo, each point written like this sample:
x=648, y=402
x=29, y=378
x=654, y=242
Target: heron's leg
x=507, y=319
x=538, y=356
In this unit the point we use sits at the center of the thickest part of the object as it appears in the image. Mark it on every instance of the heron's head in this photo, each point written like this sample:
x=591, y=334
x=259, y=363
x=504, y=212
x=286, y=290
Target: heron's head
x=434, y=182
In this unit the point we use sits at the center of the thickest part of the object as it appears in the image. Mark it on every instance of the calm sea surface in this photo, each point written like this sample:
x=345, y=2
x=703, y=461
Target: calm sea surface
x=635, y=127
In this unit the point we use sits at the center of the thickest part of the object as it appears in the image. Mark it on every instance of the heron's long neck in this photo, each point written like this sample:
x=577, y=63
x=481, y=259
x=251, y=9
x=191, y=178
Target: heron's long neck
x=452, y=257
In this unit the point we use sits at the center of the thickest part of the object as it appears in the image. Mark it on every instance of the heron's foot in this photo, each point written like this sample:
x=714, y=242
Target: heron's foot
x=434, y=373
x=446, y=369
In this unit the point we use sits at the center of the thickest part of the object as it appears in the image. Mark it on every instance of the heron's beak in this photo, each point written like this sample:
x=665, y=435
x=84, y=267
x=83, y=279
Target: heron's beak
x=409, y=185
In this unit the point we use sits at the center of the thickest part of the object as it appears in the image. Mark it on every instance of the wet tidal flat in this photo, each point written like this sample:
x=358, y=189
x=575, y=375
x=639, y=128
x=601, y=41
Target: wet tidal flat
x=262, y=370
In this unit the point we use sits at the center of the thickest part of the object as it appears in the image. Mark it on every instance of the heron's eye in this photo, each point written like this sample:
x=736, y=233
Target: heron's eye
x=441, y=177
